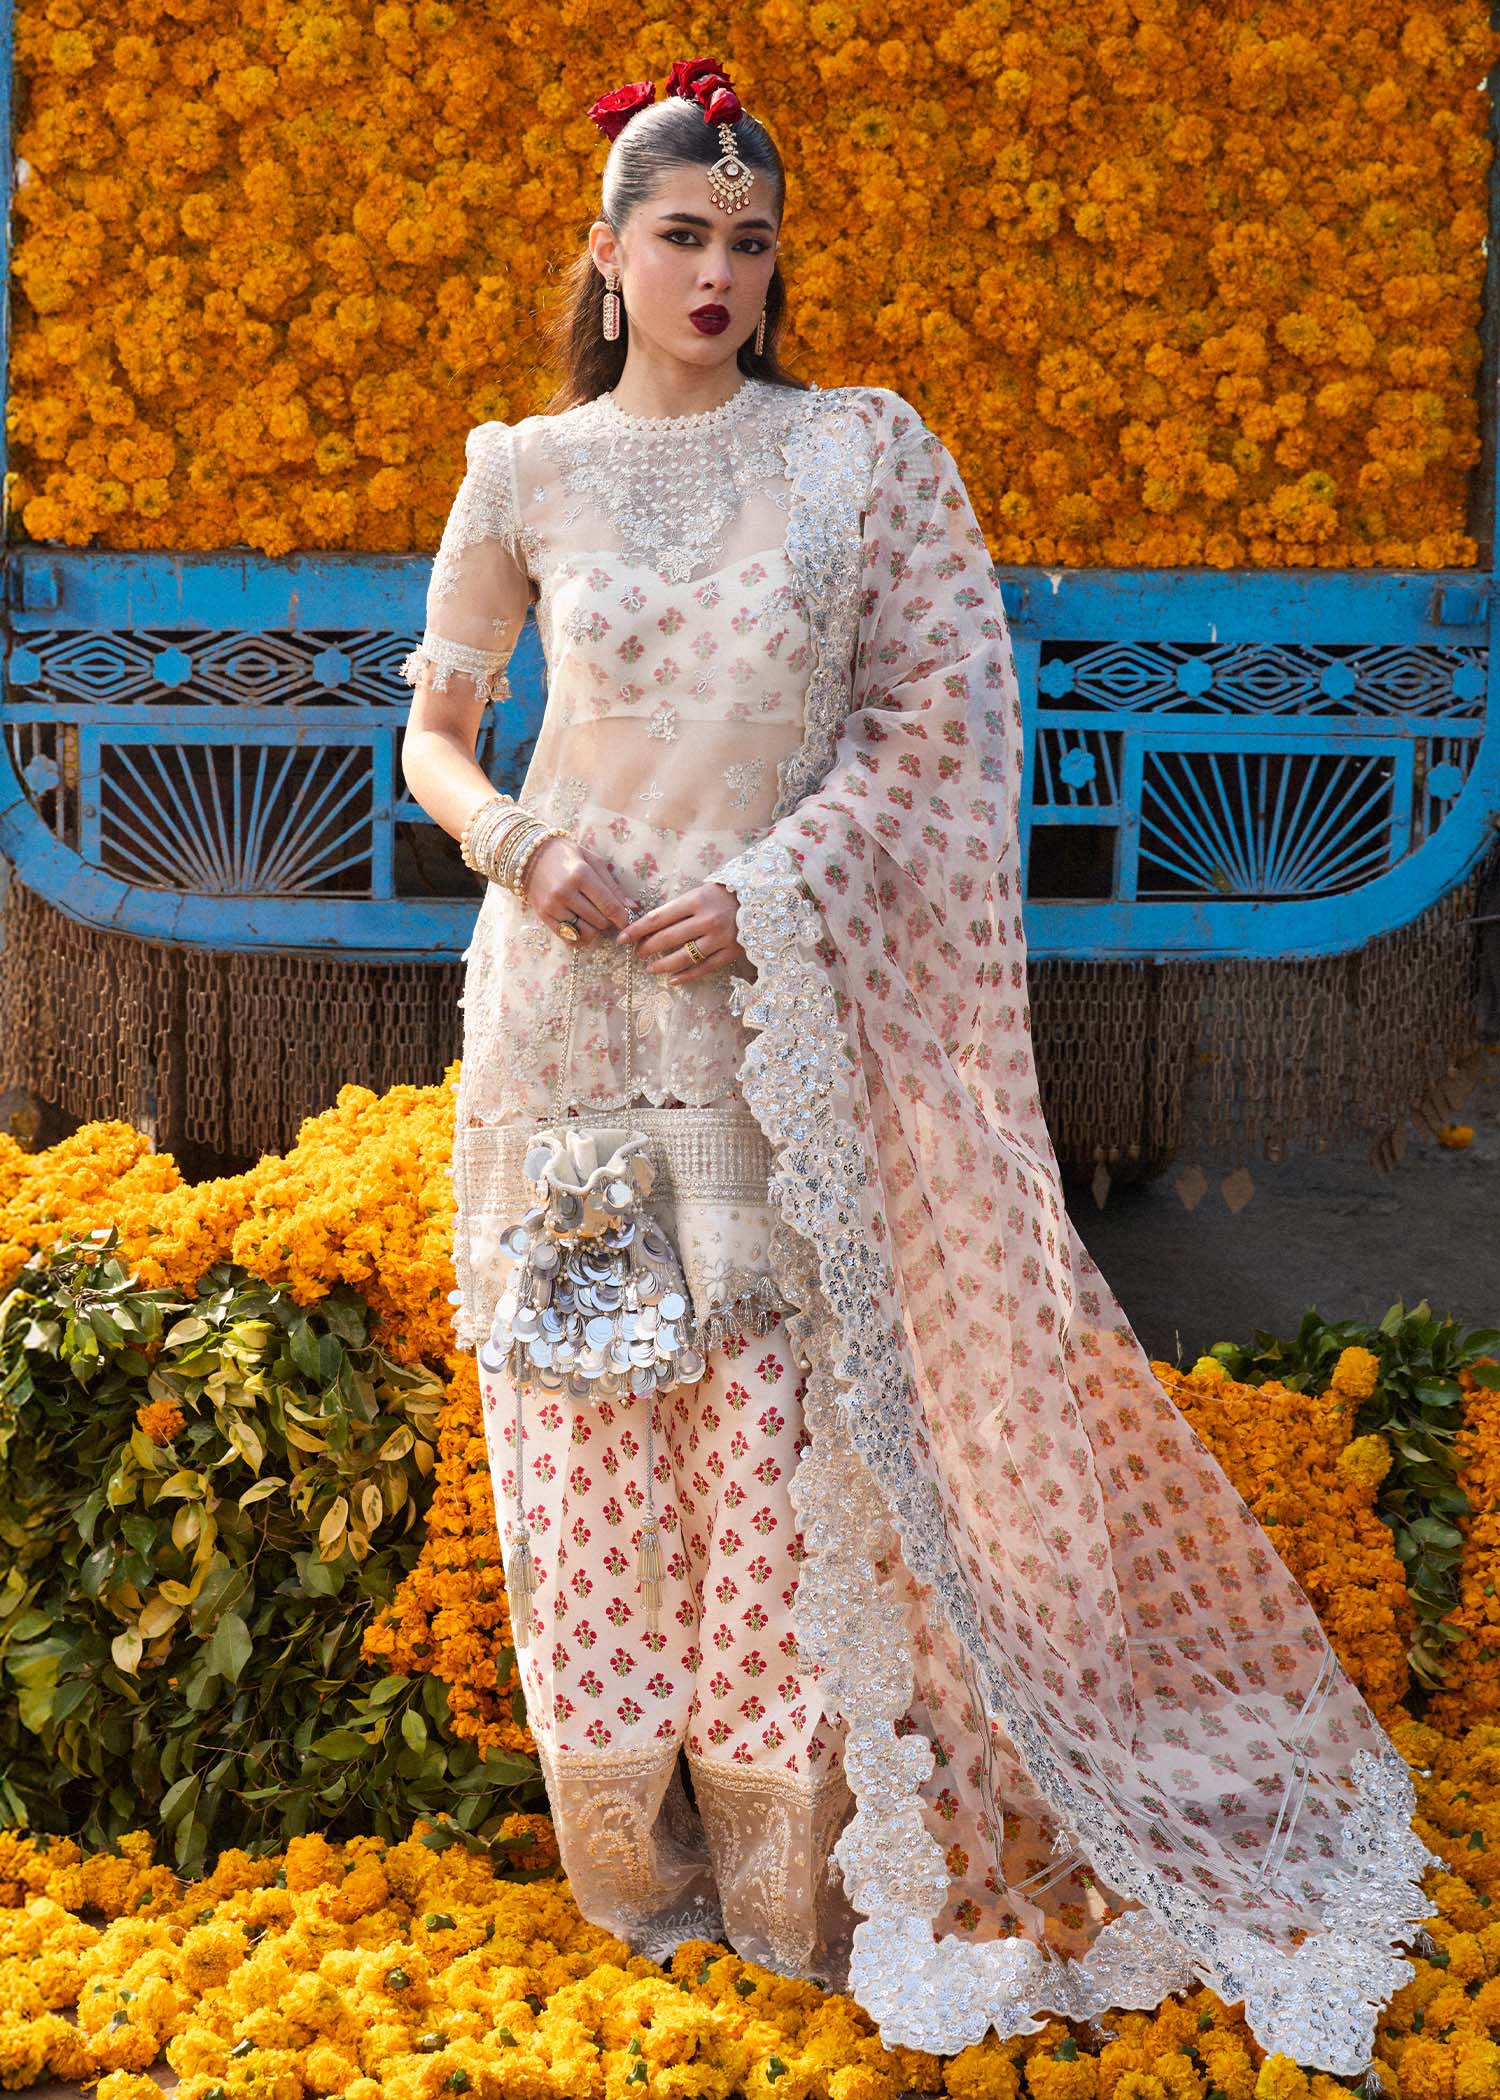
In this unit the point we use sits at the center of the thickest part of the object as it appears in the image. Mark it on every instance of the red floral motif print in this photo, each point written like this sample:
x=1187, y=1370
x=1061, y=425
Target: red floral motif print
x=706, y=1676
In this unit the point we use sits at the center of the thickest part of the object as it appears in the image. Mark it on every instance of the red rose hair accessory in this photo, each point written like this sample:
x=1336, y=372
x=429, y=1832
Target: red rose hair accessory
x=700, y=80
x=612, y=112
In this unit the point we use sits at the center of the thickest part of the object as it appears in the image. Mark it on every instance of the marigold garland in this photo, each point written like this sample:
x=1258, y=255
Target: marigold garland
x=1313, y=1489
x=1181, y=284
x=363, y=1198
x=450, y=1618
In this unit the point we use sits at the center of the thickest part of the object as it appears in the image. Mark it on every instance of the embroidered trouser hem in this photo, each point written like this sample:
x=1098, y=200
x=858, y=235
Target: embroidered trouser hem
x=752, y=1866
x=771, y=1836
x=631, y=1846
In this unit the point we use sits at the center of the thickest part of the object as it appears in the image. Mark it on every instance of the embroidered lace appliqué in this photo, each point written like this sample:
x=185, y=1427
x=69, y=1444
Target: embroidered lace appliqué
x=670, y=501
x=772, y=1834
x=633, y=1850
x=441, y=658
x=485, y=508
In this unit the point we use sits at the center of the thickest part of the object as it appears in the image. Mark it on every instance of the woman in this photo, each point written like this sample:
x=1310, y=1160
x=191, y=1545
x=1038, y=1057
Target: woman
x=920, y=1567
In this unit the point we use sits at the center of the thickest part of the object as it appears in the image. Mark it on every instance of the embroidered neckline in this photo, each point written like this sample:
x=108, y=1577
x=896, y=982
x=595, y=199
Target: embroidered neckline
x=670, y=507
x=698, y=418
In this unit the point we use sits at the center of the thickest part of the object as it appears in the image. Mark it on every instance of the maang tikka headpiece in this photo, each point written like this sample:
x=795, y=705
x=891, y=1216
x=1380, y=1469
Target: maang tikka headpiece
x=700, y=80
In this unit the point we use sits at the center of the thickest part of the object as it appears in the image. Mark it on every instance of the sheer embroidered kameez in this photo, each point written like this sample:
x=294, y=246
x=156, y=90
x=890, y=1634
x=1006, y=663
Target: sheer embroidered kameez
x=1081, y=1739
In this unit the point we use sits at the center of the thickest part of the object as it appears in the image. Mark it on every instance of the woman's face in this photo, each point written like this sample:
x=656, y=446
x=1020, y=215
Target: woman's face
x=679, y=253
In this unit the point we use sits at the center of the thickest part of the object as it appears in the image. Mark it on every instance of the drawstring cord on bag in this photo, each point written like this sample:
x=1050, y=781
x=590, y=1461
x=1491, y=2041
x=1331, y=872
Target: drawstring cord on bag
x=519, y=1561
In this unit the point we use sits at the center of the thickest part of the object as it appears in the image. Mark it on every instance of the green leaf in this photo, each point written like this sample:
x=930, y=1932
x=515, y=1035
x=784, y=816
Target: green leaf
x=182, y=1332
x=230, y=1648
x=303, y=1344
x=1432, y=1531
x=340, y=1743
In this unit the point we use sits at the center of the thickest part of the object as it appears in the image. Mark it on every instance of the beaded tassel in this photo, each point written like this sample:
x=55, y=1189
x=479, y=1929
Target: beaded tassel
x=650, y=1572
x=520, y=1567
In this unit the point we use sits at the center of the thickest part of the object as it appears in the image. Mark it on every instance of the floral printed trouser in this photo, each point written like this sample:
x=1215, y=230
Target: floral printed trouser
x=612, y=1703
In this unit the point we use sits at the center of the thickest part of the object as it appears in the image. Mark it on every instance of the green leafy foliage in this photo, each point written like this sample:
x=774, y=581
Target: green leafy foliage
x=1417, y=1406
x=182, y=1604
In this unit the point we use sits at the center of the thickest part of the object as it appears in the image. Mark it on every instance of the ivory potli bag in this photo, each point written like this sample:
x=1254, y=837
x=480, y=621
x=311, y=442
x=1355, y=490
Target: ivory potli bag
x=599, y=1307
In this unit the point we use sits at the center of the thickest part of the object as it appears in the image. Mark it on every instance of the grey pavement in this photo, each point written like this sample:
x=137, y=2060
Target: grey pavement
x=1329, y=1231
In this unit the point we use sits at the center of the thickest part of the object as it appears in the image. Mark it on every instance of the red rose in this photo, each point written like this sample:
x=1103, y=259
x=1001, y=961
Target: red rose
x=612, y=112
x=718, y=101
x=686, y=70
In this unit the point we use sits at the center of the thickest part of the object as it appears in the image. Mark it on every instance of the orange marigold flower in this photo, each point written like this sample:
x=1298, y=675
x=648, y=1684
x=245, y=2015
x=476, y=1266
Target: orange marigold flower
x=160, y=1420
x=1356, y=1374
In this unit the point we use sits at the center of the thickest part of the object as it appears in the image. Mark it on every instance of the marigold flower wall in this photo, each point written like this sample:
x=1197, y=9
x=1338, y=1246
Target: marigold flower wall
x=449, y=1957
x=1179, y=284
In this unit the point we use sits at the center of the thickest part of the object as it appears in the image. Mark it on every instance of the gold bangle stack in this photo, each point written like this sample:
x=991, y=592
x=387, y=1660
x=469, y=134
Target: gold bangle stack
x=500, y=840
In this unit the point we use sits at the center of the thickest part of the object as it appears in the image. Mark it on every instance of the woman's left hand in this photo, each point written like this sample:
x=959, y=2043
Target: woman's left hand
x=707, y=915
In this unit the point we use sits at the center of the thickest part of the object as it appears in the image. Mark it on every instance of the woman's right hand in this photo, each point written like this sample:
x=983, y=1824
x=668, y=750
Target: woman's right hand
x=567, y=881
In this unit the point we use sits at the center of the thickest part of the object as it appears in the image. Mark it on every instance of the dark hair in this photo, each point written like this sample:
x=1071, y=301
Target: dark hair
x=664, y=135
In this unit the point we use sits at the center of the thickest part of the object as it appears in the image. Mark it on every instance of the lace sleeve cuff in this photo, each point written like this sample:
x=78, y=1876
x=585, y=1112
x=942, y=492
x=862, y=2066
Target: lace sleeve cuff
x=440, y=658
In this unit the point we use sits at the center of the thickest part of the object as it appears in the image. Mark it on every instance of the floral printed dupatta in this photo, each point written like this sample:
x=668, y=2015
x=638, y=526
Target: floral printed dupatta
x=1098, y=1742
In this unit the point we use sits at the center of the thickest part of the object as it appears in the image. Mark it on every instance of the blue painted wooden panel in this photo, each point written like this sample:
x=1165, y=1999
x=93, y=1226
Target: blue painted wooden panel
x=207, y=750
x=1250, y=763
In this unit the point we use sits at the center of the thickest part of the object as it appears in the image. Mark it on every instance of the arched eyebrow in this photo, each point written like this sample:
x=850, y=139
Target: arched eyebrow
x=692, y=218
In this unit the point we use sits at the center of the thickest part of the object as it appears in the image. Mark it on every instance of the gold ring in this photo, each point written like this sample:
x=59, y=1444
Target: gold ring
x=695, y=951
x=569, y=929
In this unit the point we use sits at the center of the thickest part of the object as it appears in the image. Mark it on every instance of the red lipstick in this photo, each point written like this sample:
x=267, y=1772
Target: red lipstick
x=710, y=320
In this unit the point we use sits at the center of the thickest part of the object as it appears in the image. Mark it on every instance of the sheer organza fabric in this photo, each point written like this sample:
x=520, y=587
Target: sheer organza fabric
x=1097, y=1741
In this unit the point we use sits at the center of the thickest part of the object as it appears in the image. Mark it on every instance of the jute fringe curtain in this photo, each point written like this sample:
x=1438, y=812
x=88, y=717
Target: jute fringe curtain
x=1138, y=1061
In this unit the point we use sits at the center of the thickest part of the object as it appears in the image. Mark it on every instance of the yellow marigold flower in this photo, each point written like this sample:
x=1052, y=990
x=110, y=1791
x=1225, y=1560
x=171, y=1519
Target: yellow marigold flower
x=1356, y=1374
x=1143, y=2085
x=1209, y=1371
x=69, y=2057
x=1456, y=1136
x=310, y=1861
x=1057, y=2078
x=209, y=1954
x=127, y=2085
x=1280, y=2078
x=127, y=2047
x=1366, y=1459
x=361, y=1893
x=983, y=2071
x=23, y=2052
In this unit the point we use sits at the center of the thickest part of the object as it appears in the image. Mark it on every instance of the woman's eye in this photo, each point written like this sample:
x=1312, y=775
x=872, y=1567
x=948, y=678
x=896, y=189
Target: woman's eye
x=752, y=247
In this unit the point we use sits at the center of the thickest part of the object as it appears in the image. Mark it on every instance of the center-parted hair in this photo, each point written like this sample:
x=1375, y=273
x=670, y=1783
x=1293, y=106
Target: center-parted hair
x=665, y=135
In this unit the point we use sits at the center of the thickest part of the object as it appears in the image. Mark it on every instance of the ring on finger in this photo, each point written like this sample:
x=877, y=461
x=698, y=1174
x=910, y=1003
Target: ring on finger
x=695, y=951
x=568, y=928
